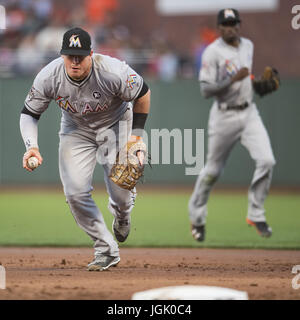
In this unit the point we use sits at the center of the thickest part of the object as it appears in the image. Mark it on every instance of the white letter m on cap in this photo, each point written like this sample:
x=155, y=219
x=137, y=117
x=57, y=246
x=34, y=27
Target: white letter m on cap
x=229, y=13
x=75, y=41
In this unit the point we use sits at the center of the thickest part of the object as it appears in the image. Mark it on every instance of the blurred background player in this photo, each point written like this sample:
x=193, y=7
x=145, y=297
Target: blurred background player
x=225, y=75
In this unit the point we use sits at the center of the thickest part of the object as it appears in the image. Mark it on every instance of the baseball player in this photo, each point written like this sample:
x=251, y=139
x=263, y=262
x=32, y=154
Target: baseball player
x=225, y=75
x=104, y=102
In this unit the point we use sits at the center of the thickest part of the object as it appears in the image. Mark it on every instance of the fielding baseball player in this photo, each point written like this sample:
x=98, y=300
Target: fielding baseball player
x=94, y=93
x=225, y=75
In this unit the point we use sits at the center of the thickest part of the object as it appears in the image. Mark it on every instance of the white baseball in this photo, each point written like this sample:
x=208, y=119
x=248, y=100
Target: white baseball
x=32, y=162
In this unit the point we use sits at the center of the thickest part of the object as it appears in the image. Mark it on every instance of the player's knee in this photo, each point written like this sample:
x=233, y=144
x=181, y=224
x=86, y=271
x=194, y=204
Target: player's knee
x=210, y=179
x=211, y=172
x=211, y=176
x=267, y=163
x=77, y=198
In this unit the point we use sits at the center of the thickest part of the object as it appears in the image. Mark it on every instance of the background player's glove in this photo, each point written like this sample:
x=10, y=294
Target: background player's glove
x=128, y=170
x=268, y=82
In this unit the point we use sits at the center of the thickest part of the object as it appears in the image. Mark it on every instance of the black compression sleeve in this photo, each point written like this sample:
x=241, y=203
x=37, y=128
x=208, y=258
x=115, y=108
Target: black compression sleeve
x=26, y=111
x=138, y=123
x=143, y=91
x=139, y=120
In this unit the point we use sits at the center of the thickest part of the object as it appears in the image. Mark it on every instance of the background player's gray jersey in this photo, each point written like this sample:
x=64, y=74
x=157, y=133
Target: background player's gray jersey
x=221, y=61
x=97, y=102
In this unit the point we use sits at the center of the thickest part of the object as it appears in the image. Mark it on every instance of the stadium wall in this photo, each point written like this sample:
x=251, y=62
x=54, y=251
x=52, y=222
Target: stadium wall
x=174, y=105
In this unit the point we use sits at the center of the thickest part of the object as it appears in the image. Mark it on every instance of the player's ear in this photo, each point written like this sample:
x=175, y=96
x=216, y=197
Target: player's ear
x=91, y=53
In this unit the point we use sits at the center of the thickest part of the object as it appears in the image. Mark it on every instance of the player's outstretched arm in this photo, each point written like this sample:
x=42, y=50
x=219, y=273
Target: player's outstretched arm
x=126, y=174
x=29, y=132
x=141, y=108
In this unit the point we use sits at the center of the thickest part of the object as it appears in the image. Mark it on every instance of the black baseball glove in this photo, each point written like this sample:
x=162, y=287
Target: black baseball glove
x=268, y=82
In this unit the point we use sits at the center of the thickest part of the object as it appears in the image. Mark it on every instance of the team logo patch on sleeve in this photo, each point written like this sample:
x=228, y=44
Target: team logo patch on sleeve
x=205, y=66
x=131, y=81
x=31, y=93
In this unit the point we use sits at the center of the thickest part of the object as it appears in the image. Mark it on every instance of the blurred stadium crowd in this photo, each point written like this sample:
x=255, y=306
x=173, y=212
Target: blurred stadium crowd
x=34, y=30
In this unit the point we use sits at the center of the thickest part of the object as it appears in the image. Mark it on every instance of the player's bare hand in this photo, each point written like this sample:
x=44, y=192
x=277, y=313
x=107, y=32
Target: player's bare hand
x=240, y=75
x=140, y=155
x=33, y=152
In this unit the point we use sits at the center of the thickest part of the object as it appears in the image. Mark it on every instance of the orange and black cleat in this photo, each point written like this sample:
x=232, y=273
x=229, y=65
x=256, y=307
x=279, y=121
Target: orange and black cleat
x=262, y=228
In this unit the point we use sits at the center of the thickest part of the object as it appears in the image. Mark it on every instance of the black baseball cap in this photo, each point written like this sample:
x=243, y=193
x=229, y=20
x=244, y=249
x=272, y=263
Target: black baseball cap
x=228, y=15
x=77, y=42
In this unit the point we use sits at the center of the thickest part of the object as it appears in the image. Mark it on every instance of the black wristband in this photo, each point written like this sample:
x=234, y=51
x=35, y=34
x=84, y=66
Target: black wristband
x=138, y=123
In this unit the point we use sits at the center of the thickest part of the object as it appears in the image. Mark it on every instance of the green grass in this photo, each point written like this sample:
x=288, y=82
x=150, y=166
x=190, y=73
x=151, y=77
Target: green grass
x=158, y=219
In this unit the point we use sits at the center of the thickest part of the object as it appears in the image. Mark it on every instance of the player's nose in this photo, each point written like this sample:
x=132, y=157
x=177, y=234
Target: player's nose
x=75, y=59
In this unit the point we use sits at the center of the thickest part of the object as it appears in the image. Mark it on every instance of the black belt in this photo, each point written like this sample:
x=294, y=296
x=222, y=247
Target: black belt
x=238, y=107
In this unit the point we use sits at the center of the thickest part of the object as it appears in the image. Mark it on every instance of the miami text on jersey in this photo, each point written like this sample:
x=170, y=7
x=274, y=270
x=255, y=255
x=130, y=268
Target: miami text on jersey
x=85, y=107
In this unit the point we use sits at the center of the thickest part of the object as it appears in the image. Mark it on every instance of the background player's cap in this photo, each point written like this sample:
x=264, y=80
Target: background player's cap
x=76, y=41
x=227, y=15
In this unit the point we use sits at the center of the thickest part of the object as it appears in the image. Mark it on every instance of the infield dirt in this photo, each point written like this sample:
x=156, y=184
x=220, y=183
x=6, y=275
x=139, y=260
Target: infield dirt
x=60, y=273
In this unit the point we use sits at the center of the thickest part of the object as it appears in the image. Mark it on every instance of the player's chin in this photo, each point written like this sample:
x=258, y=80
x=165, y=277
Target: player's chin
x=231, y=37
x=75, y=74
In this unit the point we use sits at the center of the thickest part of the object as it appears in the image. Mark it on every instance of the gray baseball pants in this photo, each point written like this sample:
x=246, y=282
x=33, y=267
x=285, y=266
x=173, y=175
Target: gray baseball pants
x=79, y=151
x=225, y=128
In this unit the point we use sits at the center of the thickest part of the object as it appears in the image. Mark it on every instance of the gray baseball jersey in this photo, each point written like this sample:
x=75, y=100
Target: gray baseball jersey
x=226, y=126
x=91, y=113
x=220, y=61
x=97, y=102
